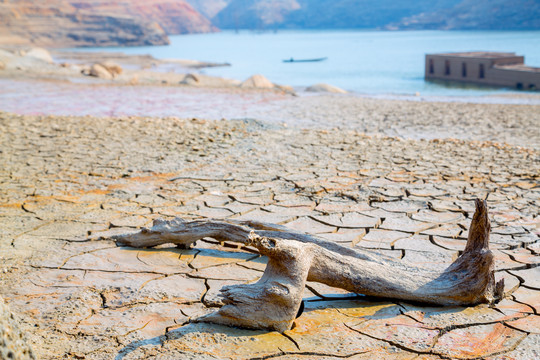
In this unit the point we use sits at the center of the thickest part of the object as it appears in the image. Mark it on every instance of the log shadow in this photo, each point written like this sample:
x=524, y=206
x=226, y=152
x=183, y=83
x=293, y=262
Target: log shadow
x=339, y=302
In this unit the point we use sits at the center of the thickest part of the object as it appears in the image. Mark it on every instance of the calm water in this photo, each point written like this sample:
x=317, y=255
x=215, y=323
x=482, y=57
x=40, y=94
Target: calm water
x=371, y=62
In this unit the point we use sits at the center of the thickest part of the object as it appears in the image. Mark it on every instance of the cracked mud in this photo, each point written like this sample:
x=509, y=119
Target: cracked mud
x=70, y=183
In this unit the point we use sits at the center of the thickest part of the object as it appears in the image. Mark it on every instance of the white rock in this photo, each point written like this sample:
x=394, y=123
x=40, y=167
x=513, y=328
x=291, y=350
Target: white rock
x=112, y=67
x=285, y=88
x=326, y=88
x=100, y=71
x=40, y=54
x=257, y=81
x=6, y=56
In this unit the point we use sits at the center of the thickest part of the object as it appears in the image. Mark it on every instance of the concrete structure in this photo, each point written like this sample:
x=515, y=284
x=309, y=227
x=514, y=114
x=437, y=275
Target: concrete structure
x=484, y=68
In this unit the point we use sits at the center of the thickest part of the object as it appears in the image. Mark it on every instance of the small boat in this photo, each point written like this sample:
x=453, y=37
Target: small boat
x=291, y=60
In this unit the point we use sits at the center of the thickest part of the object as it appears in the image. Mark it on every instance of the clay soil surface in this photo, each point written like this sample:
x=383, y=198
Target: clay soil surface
x=392, y=175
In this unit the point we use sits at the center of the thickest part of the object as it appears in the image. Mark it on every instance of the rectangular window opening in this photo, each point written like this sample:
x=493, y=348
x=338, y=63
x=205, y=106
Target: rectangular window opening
x=447, y=67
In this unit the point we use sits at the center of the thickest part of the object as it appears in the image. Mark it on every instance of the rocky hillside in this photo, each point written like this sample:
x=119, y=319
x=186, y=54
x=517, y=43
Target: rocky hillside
x=323, y=14
x=72, y=23
x=381, y=14
x=256, y=14
x=479, y=15
x=209, y=8
x=174, y=16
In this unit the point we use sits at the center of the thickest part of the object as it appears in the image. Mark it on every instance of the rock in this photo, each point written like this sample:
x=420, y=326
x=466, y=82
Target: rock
x=40, y=54
x=13, y=344
x=257, y=81
x=191, y=79
x=100, y=71
x=85, y=70
x=325, y=88
x=112, y=68
x=6, y=58
x=286, y=89
x=4, y=54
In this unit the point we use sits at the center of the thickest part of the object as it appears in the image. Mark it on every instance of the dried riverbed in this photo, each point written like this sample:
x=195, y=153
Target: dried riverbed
x=69, y=183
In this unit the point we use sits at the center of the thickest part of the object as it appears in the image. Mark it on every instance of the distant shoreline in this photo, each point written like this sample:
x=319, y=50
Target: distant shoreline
x=125, y=85
x=362, y=61
x=507, y=119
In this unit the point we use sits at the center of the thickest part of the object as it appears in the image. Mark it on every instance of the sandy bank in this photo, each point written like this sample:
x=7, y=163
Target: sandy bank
x=115, y=84
x=505, y=123
x=114, y=69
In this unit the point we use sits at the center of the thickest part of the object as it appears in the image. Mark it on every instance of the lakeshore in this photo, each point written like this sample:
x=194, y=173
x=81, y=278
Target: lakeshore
x=512, y=120
x=145, y=86
x=360, y=61
x=85, y=158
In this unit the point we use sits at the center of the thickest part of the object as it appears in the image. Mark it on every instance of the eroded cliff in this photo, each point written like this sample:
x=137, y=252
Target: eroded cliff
x=67, y=23
x=478, y=15
x=174, y=16
x=382, y=14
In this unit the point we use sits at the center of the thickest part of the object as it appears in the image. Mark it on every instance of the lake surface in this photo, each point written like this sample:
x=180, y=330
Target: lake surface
x=366, y=62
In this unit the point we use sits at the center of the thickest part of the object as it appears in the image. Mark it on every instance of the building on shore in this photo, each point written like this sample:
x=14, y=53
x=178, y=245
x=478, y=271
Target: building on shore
x=483, y=68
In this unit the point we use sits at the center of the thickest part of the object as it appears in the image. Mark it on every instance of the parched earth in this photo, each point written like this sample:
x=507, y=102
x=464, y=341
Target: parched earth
x=69, y=183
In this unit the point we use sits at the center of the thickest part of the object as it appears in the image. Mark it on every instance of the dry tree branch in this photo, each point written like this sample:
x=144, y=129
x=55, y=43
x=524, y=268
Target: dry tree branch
x=294, y=258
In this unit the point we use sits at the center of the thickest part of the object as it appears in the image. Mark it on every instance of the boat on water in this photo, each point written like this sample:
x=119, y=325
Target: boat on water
x=292, y=60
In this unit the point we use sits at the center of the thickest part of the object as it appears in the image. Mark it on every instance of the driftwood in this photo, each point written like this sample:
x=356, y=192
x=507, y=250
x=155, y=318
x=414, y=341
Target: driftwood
x=294, y=258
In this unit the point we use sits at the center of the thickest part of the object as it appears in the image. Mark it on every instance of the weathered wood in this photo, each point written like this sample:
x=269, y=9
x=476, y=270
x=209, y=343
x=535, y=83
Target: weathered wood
x=294, y=258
